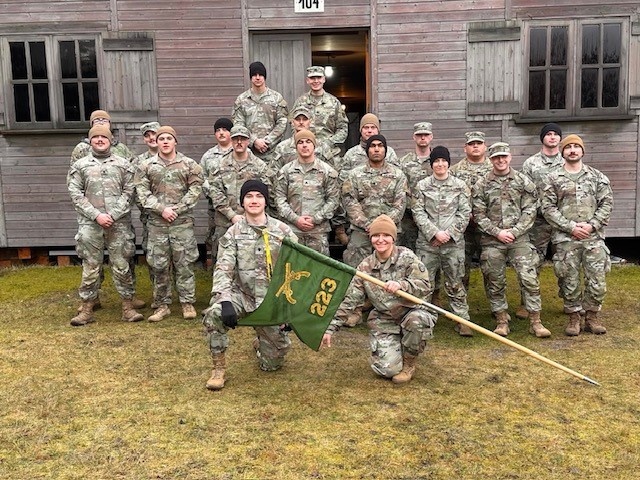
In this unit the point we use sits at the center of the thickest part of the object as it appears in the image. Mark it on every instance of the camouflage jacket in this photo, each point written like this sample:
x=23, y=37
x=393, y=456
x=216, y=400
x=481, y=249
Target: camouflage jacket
x=209, y=163
x=470, y=172
x=566, y=201
x=101, y=185
x=414, y=168
x=286, y=152
x=175, y=184
x=241, y=267
x=265, y=115
x=369, y=192
x=137, y=161
x=441, y=205
x=537, y=167
x=504, y=203
x=226, y=181
x=357, y=156
x=307, y=190
x=84, y=148
x=329, y=120
x=404, y=267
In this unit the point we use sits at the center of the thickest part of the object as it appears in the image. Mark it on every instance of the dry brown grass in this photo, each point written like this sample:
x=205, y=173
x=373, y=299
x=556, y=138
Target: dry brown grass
x=127, y=401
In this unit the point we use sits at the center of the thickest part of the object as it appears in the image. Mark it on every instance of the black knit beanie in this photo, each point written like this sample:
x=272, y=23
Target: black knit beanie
x=550, y=127
x=254, y=186
x=439, y=152
x=372, y=138
x=257, y=68
x=223, y=123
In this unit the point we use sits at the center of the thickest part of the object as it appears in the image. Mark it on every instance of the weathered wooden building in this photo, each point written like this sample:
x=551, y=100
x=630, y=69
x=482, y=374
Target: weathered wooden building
x=503, y=66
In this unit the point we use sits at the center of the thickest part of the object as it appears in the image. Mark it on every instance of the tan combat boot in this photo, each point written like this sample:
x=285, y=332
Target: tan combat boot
x=408, y=369
x=188, y=312
x=85, y=315
x=96, y=305
x=341, y=235
x=536, y=327
x=573, y=327
x=216, y=382
x=502, y=320
x=463, y=330
x=522, y=312
x=137, y=303
x=592, y=324
x=129, y=313
x=161, y=312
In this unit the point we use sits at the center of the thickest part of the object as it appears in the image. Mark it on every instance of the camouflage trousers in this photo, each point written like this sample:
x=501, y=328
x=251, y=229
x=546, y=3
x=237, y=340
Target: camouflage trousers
x=91, y=242
x=591, y=257
x=409, y=234
x=540, y=238
x=449, y=259
x=273, y=342
x=317, y=241
x=493, y=262
x=358, y=249
x=144, y=218
x=389, y=340
x=173, y=248
x=472, y=251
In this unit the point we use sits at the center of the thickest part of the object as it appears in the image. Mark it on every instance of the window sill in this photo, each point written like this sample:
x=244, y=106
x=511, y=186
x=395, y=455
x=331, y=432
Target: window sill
x=45, y=131
x=517, y=119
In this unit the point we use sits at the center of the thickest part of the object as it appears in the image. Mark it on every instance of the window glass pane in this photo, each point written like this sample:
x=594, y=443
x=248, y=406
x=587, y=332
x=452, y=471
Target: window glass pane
x=558, y=89
x=91, y=99
x=536, y=91
x=611, y=43
x=21, y=101
x=610, y=87
x=538, y=47
x=38, y=60
x=88, y=63
x=41, y=102
x=18, y=61
x=71, y=100
x=589, y=88
x=68, y=59
x=559, y=42
x=590, y=44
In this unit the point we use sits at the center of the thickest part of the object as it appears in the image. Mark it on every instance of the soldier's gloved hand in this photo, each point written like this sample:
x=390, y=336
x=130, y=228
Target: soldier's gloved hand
x=286, y=327
x=229, y=315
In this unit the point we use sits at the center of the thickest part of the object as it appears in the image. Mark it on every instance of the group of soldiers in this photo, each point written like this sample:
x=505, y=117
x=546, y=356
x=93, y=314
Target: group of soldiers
x=415, y=222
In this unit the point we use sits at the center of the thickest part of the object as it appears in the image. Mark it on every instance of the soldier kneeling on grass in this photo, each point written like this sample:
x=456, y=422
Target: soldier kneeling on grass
x=398, y=327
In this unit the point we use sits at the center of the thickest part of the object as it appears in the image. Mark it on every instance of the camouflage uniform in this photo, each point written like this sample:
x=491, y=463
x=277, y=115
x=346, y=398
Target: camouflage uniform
x=507, y=202
x=312, y=189
x=103, y=184
x=444, y=205
x=357, y=156
x=566, y=200
x=367, y=193
x=329, y=120
x=176, y=184
x=471, y=173
x=84, y=148
x=224, y=188
x=240, y=277
x=415, y=169
x=396, y=325
x=209, y=163
x=265, y=115
x=537, y=167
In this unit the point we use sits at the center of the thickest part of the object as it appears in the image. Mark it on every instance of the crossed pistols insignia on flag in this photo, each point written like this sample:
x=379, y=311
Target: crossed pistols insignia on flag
x=289, y=277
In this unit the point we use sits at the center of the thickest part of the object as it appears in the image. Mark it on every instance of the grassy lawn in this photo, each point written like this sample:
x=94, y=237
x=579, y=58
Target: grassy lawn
x=127, y=401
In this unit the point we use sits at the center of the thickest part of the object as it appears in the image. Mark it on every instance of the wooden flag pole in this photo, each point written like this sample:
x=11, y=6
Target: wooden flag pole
x=478, y=328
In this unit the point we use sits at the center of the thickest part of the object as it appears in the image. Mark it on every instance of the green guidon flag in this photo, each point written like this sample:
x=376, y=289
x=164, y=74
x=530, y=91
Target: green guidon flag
x=305, y=291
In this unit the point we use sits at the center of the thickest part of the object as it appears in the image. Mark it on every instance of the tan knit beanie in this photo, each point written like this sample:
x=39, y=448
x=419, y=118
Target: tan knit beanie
x=99, y=114
x=166, y=129
x=573, y=138
x=304, y=133
x=369, y=118
x=383, y=224
x=101, y=130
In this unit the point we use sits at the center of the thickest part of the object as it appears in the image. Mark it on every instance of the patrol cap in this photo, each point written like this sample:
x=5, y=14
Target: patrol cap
x=240, y=131
x=149, y=127
x=99, y=114
x=101, y=130
x=315, y=71
x=498, y=149
x=423, y=127
x=167, y=129
x=474, y=137
x=301, y=110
